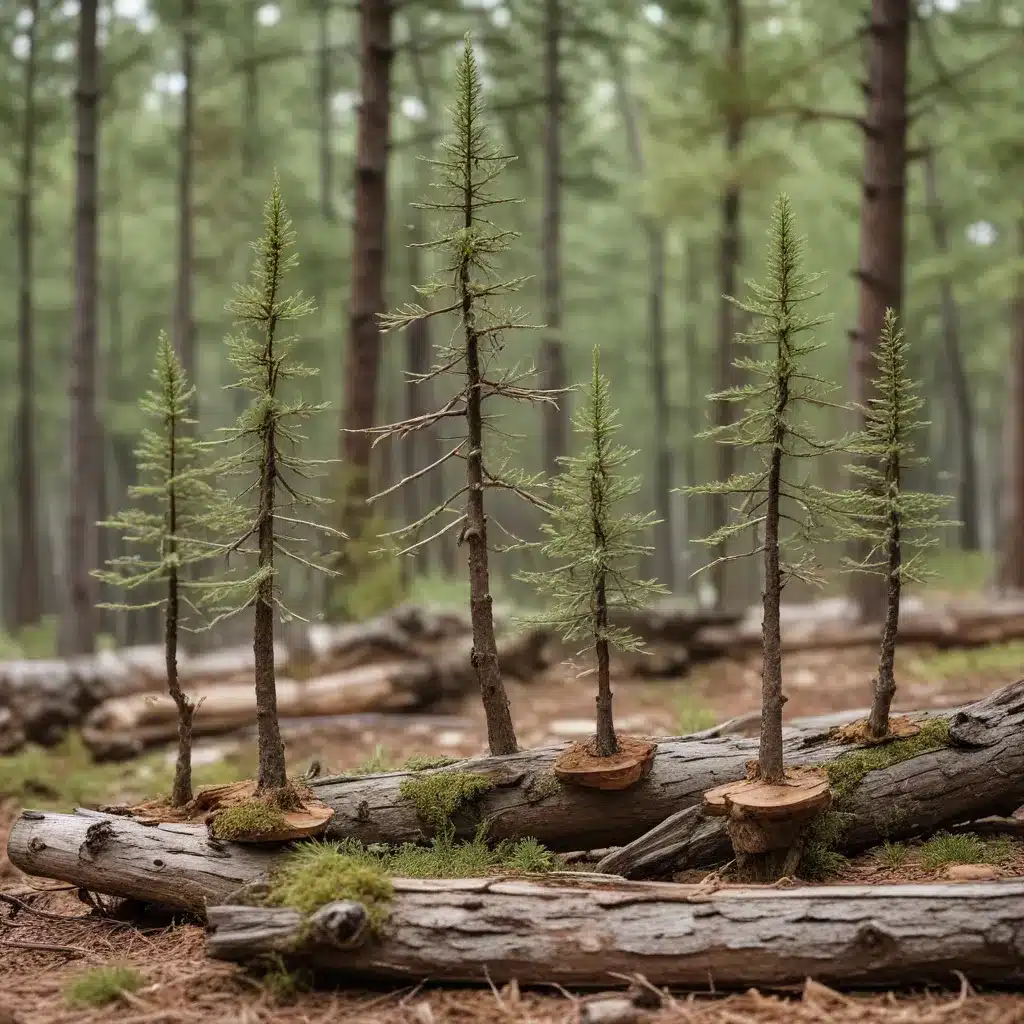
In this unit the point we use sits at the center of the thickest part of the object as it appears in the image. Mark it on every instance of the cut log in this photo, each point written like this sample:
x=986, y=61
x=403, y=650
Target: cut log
x=589, y=934
x=126, y=726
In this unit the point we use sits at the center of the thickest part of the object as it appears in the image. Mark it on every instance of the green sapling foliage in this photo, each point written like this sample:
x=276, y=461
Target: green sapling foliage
x=895, y=525
x=265, y=518
x=775, y=501
x=166, y=522
x=591, y=547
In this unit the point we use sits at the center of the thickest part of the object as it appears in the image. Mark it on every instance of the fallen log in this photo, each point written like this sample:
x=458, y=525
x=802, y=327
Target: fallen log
x=126, y=726
x=590, y=934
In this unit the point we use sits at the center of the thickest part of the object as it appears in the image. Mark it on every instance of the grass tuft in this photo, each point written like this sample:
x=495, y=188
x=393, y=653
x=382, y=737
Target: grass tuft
x=846, y=772
x=820, y=859
x=284, y=985
x=692, y=716
x=249, y=818
x=893, y=855
x=100, y=986
x=964, y=848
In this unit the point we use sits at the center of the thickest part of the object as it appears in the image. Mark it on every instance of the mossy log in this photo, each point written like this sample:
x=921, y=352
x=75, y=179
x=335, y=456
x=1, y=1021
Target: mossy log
x=586, y=934
x=977, y=771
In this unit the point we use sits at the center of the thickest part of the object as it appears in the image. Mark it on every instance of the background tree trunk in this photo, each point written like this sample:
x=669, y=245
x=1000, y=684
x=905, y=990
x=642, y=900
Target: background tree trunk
x=323, y=86
x=960, y=392
x=28, y=605
x=882, y=228
x=251, y=94
x=1011, y=560
x=184, y=322
x=78, y=633
x=552, y=355
x=363, y=351
x=729, y=243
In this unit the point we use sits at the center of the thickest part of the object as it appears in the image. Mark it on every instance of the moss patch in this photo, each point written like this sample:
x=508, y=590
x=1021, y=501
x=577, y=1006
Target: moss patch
x=249, y=818
x=102, y=985
x=316, y=874
x=820, y=859
x=846, y=772
x=437, y=797
x=421, y=762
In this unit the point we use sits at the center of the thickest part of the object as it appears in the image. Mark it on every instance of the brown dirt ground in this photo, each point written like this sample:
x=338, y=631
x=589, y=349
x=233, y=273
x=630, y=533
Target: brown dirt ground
x=181, y=985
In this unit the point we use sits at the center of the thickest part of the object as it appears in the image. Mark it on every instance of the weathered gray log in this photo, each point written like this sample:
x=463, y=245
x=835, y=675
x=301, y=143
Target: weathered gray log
x=469, y=930
x=982, y=773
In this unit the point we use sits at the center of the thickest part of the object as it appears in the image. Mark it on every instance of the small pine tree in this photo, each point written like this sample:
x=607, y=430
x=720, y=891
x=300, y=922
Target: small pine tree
x=177, y=492
x=772, y=496
x=591, y=546
x=893, y=522
x=263, y=519
x=469, y=245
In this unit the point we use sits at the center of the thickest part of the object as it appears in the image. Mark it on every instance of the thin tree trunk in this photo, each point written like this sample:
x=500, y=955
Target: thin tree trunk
x=769, y=756
x=882, y=216
x=363, y=352
x=1011, y=561
x=28, y=605
x=324, y=103
x=884, y=688
x=552, y=356
x=654, y=237
x=961, y=393
x=693, y=401
x=184, y=325
x=181, y=790
x=80, y=618
x=607, y=743
x=728, y=264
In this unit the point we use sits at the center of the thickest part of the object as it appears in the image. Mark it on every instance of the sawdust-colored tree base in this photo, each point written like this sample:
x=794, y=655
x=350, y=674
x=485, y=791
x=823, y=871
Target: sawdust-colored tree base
x=581, y=765
x=275, y=818
x=900, y=728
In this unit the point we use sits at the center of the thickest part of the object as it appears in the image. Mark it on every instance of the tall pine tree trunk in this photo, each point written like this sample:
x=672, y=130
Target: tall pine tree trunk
x=654, y=237
x=28, y=605
x=728, y=264
x=1011, y=553
x=184, y=324
x=882, y=216
x=552, y=356
x=78, y=634
x=691, y=299
x=963, y=406
x=363, y=351
x=323, y=88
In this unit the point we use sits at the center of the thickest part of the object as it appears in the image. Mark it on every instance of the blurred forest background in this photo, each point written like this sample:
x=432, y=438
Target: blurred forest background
x=138, y=140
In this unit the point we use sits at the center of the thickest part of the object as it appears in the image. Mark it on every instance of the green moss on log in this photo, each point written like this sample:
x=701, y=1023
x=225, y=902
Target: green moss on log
x=439, y=795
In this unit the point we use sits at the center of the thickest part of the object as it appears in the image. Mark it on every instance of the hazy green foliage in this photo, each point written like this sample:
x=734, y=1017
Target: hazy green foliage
x=958, y=664
x=692, y=716
x=775, y=405
x=591, y=548
x=265, y=437
x=885, y=449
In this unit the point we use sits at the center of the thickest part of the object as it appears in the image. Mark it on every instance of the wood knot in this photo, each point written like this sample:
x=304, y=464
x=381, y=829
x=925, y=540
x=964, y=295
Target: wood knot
x=96, y=836
x=341, y=924
x=363, y=811
x=873, y=938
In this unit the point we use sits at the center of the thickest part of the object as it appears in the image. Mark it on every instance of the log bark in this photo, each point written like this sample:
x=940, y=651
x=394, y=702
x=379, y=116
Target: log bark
x=533, y=931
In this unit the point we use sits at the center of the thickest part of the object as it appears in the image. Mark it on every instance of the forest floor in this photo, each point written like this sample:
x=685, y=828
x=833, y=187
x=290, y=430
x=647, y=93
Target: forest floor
x=179, y=984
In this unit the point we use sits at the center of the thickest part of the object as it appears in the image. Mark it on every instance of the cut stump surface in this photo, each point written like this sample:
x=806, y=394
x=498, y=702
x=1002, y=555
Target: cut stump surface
x=900, y=728
x=805, y=792
x=581, y=765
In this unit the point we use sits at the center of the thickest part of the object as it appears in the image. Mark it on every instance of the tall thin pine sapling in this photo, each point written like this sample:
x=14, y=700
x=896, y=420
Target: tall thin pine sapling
x=889, y=521
x=469, y=244
x=591, y=545
x=263, y=519
x=166, y=518
x=773, y=497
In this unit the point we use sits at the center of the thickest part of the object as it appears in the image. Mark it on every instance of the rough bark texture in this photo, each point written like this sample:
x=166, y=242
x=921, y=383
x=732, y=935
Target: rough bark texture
x=552, y=354
x=882, y=229
x=79, y=620
x=960, y=389
x=1011, y=555
x=728, y=263
x=363, y=351
x=28, y=604
x=543, y=932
